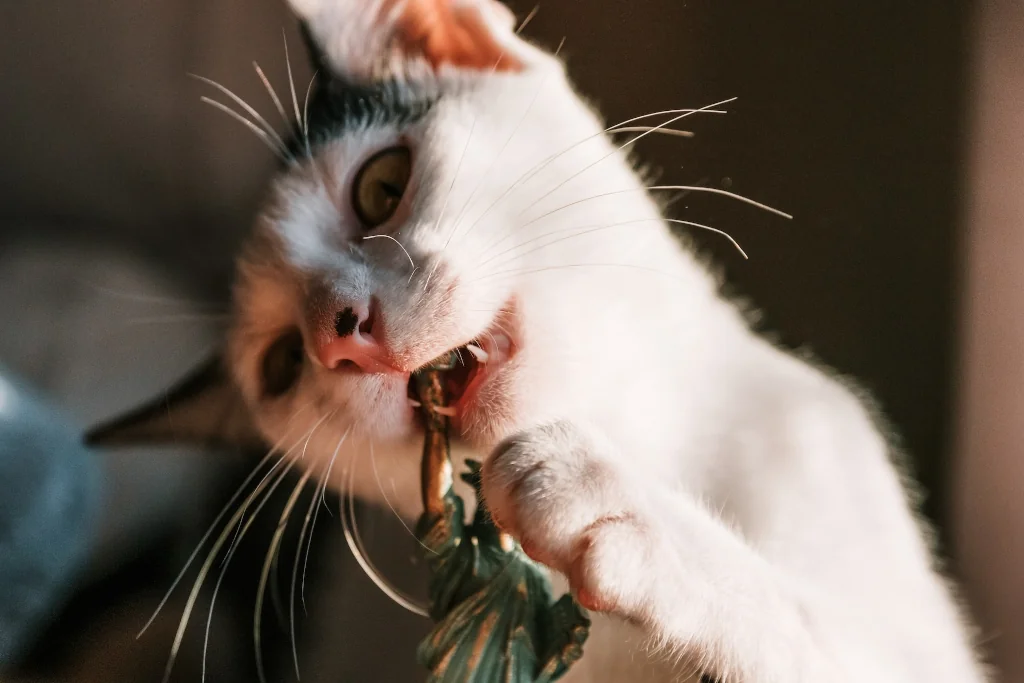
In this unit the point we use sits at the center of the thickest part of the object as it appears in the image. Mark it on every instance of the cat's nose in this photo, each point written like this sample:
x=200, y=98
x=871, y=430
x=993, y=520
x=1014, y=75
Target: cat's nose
x=354, y=341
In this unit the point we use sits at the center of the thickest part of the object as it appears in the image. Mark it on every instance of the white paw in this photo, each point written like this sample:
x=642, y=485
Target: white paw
x=572, y=509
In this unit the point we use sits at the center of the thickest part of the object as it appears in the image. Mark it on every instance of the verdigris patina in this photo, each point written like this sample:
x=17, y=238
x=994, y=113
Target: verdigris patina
x=496, y=619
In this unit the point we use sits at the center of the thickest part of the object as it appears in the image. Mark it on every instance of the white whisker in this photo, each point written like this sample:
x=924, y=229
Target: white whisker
x=709, y=228
x=311, y=513
x=177, y=318
x=668, y=112
x=621, y=147
x=690, y=188
x=272, y=93
x=528, y=19
x=291, y=79
x=497, y=157
x=245, y=506
x=444, y=205
x=540, y=166
x=655, y=129
x=208, y=563
x=581, y=231
x=245, y=105
x=376, y=475
x=567, y=266
x=223, y=572
x=240, y=534
x=305, y=111
x=275, y=544
x=724, y=193
x=455, y=177
x=260, y=133
x=211, y=556
x=202, y=542
x=350, y=529
x=305, y=436
x=323, y=493
x=150, y=299
x=400, y=246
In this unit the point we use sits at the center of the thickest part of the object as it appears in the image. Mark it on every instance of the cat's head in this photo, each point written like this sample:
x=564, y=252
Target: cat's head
x=447, y=189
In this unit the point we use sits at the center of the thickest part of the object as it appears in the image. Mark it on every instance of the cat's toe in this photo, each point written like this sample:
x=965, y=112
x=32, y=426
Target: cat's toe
x=548, y=486
x=608, y=552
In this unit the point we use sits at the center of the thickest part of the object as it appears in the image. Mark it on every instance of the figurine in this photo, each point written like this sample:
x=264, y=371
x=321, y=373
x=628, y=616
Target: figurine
x=495, y=616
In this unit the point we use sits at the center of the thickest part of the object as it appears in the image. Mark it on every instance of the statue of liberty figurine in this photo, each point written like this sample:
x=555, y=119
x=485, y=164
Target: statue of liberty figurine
x=495, y=617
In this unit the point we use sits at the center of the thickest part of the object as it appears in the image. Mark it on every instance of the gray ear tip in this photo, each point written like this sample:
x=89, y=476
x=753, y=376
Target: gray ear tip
x=95, y=437
x=150, y=422
x=203, y=409
x=117, y=432
x=102, y=435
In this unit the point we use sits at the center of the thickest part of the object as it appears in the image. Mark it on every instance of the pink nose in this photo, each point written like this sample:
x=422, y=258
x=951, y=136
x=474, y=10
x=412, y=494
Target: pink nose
x=354, y=345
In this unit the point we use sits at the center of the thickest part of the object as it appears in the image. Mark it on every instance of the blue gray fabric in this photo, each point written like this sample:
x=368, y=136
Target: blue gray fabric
x=49, y=500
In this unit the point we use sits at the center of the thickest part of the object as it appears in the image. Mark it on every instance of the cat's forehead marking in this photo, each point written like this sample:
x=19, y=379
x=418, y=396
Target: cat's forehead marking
x=339, y=106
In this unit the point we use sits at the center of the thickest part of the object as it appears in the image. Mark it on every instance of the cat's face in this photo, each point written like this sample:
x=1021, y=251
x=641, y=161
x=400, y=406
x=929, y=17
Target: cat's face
x=447, y=185
x=364, y=267
x=400, y=238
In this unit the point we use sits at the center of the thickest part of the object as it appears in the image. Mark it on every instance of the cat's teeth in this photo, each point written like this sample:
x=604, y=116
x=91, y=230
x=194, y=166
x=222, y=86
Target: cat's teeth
x=477, y=352
x=447, y=411
x=414, y=403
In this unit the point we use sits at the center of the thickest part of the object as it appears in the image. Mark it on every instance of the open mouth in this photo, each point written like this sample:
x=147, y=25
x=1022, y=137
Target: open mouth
x=478, y=361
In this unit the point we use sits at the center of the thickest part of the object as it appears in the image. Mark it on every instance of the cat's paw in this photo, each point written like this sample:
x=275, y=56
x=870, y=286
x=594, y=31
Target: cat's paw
x=571, y=508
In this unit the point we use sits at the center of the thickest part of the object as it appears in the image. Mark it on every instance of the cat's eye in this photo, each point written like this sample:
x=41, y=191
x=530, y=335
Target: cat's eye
x=282, y=364
x=380, y=184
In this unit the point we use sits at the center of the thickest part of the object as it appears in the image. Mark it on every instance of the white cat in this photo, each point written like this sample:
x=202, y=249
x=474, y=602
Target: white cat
x=731, y=510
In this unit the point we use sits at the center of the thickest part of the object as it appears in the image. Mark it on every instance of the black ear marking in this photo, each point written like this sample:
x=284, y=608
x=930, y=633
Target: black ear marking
x=205, y=408
x=338, y=103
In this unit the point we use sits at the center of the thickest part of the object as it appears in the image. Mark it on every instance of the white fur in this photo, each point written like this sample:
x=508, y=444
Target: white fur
x=735, y=508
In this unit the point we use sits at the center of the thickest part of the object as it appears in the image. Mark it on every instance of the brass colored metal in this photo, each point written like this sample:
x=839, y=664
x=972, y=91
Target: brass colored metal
x=495, y=618
x=436, y=467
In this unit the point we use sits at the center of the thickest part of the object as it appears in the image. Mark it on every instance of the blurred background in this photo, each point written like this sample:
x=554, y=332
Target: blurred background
x=893, y=131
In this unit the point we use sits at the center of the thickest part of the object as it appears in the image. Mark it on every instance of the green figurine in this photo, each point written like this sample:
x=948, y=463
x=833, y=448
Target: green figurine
x=495, y=616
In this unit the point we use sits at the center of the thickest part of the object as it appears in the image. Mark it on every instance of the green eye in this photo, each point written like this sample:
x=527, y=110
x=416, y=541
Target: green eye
x=282, y=364
x=380, y=184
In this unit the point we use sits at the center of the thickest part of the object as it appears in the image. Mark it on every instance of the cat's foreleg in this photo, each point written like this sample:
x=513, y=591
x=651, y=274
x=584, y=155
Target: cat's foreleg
x=632, y=548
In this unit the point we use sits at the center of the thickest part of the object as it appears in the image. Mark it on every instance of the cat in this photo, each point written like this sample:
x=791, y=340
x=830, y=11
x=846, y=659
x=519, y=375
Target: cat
x=726, y=509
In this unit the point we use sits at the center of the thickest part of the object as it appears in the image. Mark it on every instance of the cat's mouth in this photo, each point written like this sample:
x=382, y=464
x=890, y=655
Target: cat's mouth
x=478, y=362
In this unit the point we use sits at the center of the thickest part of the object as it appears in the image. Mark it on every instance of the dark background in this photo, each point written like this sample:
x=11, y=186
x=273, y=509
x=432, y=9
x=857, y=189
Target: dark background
x=850, y=115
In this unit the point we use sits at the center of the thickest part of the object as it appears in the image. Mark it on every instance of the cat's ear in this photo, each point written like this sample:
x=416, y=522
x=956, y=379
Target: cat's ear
x=317, y=58
x=362, y=40
x=205, y=408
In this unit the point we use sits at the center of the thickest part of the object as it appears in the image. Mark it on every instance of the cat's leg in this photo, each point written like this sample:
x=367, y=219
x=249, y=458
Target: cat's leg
x=630, y=547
